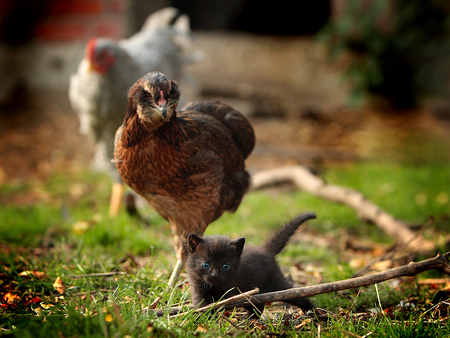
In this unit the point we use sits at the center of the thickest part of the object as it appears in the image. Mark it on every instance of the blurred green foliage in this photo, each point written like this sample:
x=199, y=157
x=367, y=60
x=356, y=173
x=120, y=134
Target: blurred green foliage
x=400, y=49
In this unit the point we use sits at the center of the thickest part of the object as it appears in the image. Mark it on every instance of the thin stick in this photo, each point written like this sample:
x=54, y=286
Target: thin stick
x=176, y=310
x=303, y=179
x=348, y=333
x=250, y=301
x=396, y=248
x=433, y=307
x=230, y=322
x=155, y=303
x=353, y=304
x=237, y=298
x=440, y=262
x=98, y=274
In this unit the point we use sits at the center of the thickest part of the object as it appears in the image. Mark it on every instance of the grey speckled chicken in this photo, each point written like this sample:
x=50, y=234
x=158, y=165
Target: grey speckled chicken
x=98, y=90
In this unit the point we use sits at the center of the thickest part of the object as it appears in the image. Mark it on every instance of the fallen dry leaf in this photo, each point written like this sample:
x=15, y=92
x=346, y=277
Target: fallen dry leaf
x=59, y=285
x=357, y=262
x=10, y=297
x=37, y=274
x=38, y=310
x=201, y=329
x=441, y=283
x=35, y=300
x=46, y=306
x=382, y=265
x=442, y=198
x=303, y=324
x=433, y=281
x=80, y=227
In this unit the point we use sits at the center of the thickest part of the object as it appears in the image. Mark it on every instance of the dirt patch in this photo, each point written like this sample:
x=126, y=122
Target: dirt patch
x=39, y=136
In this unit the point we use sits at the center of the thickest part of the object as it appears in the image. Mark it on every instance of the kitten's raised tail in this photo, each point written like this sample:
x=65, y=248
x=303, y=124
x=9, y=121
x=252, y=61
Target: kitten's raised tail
x=279, y=239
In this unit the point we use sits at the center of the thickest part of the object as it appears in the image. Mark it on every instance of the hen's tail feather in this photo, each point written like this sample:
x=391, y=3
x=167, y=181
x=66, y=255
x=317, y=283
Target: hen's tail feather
x=160, y=19
x=280, y=238
x=170, y=21
x=168, y=18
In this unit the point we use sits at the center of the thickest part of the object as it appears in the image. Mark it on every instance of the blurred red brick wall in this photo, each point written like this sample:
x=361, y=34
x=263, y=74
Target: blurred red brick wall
x=69, y=20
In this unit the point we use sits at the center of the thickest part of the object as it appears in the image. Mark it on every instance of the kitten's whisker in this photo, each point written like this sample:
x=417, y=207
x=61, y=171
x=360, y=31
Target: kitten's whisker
x=206, y=286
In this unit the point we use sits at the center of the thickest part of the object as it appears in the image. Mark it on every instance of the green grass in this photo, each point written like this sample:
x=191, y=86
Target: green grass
x=63, y=230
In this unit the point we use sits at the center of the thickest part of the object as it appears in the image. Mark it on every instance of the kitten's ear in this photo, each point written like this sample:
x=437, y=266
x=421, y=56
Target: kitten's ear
x=239, y=245
x=194, y=241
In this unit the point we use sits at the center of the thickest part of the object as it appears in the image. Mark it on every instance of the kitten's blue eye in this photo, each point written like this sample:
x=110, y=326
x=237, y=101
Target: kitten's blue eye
x=205, y=265
x=225, y=267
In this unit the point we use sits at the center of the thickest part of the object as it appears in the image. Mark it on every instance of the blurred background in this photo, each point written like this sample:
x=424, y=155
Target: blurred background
x=322, y=81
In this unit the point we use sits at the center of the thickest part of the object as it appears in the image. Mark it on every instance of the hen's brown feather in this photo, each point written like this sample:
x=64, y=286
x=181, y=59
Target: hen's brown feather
x=190, y=167
x=239, y=126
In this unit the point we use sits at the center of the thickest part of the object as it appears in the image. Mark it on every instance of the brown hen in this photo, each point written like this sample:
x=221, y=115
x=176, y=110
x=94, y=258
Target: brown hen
x=188, y=165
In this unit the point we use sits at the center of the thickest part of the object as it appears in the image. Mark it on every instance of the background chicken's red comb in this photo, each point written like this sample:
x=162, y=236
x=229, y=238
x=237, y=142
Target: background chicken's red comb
x=90, y=47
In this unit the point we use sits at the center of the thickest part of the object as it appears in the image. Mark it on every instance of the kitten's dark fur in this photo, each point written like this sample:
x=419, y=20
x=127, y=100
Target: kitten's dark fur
x=218, y=266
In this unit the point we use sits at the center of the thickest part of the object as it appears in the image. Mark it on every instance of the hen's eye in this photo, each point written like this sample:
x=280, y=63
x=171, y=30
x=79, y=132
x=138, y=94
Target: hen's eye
x=205, y=265
x=225, y=267
x=145, y=96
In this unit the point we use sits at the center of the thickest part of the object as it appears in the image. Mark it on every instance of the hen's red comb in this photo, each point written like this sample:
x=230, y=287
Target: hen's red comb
x=90, y=49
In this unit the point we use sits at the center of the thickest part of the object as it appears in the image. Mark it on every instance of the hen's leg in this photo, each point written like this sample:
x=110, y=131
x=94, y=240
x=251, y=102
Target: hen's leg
x=180, y=232
x=172, y=280
x=181, y=259
x=116, y=198
x=175, y=273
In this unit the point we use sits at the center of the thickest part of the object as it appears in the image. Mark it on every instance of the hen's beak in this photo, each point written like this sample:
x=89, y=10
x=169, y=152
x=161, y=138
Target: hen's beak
x=163, y=109
x=94, y=67
x=90, y=67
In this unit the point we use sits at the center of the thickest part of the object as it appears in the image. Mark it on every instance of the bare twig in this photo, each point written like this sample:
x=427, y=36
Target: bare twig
x=99, y=274
x=347, y=333
x=399, y=247
x=440, y=262
x=349, y=311
x=433, y=307
x=250, y=301
x=155, y=303
x=225, y=302
x=305, y=180
x=231, y=323
x=222, y=303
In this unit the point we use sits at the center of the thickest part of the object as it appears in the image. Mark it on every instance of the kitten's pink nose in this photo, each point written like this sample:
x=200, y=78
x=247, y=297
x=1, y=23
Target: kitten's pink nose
x=214, y=273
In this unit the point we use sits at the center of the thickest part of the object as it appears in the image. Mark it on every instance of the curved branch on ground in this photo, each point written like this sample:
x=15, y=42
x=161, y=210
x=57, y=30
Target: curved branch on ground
x=303, y=179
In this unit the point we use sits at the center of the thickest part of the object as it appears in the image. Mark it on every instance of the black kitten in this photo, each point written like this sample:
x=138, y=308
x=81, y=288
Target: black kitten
x=218, y=267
